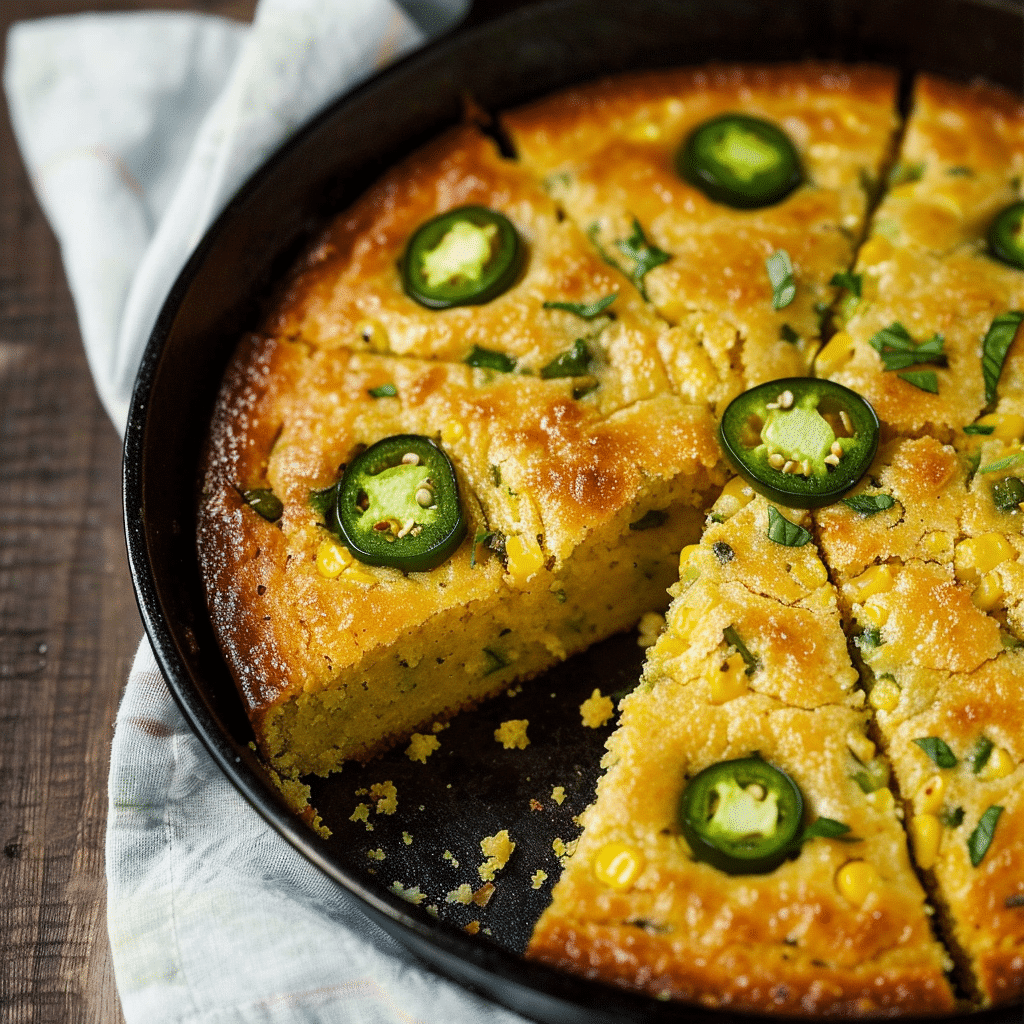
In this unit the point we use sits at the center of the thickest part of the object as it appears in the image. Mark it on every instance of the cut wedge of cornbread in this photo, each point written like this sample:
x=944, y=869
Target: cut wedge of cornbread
x=607, y=152
x=926, y=270
x=839, y=927
x=338, y=659
x=933, y=587
x=349, y=292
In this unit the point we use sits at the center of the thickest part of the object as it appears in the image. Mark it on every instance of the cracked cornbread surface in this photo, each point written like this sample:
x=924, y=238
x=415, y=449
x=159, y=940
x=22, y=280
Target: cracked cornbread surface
x=579, y=411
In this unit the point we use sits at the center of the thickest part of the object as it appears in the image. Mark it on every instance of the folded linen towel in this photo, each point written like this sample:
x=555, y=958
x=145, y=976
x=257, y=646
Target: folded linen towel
x=136, y=129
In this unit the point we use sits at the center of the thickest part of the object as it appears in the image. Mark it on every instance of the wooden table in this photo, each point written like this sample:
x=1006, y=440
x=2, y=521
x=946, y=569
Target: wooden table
x=69, y=626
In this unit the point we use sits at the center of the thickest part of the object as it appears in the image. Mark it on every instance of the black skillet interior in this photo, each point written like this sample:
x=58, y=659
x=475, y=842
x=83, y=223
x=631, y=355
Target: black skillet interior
x=470, y=788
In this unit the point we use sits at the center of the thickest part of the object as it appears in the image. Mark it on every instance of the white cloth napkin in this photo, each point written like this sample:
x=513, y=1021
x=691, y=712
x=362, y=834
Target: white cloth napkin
x=135, y=130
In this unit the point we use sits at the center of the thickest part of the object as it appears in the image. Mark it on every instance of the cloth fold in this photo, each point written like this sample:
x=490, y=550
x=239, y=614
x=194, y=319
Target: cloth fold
x=136, y=130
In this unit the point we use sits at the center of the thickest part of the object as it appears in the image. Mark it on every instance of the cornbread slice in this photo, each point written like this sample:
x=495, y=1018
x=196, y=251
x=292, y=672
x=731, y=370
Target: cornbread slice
x=349, y=292
x=337, y=659
x=926, y=266
x=934, y=586
x=841, y=927
x=607, y=153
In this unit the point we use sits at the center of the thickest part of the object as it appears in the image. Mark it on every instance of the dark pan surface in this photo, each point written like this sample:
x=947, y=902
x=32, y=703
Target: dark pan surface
x=471, y=787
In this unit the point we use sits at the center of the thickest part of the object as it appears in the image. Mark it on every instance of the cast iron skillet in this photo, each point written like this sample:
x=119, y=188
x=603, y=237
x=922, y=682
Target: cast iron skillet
x=471, y=788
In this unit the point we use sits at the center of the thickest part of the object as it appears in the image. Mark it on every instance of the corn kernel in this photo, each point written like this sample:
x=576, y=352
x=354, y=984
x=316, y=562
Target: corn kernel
x=687, y=616
x=354, y=575
x=452, y=431
x=884, y=695
x=988, y=593
x=373, y=334
x=878, y=579
x=976, y=556
x=925, y=834
x=998, y=766
x=1009, y=426
x=929, y=796
x=728, y=681
x=876, y=249
x=810, y=572
x=684, y=555
x=947, y=202
x=875, y=616
x=856, y=880
x=670, y=646
x=646, y=131
x=882, y=799
x=735, y=494
x=525, y=557
x=860, y=746
x=332, y=558
x=938, y=545
x=618, y=865
x=832, y=357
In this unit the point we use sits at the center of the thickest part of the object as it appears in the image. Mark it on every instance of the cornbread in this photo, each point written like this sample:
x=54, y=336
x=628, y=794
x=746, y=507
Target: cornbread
x=866, y=656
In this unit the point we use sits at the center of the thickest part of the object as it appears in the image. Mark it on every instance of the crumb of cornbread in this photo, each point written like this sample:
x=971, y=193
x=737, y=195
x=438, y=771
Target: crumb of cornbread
x=498, y=849
x=473, y=928
x=376, y=854
x=538, y=878
x=596, y=710
x=649, y=627
x=564, y=850
x=558, y=794
x=448, y=855
x=385, y=796
x=421, y=747
x=535, y=805
x=411, y=895
x=483, y=895
x=463, y=895
x=362, y=813
x=439, y=726
x=512, y=734
x=407, y=839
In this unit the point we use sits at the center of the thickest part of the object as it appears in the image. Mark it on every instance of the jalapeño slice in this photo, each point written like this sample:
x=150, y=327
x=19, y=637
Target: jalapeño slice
x=800, y=441
x=464, y=257
x=741, y=816
x=1006, y=235
x=398, y=505
x=741, y=161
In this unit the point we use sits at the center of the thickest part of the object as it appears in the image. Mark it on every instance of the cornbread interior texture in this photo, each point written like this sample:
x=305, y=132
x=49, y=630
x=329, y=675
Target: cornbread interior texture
x=885, y=628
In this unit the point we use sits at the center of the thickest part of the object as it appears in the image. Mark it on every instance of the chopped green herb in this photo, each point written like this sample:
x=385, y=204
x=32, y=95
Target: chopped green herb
x=587, y=310
x=265, y=502
x=644, y=255
x=938, y=750
x=998, y=340
x=903, y=173
x=960, y=172
x=786, y=333
x=496, y=475
x=980, y=839
x=560, y=596
x=484, y=537
x=780, y=274
x=983, y=429
x=849, y=280
x=826, y=828
x=387, y=390
x=716, y=518
x=874, y=775
x=493, y=662
x=573, y=363
x=584, y=390
x=488, y=360
x=322, y=501
x=1008, y=494
x=926, y=380
x=723, y=552
x=784, y=532
x=980, y=754
x=562, y=178
x=1011, y=460
x=733, y=639
x=649, y=520
x=1010, y=642
x=869, y=504
x=952, y=817
x=898, y=351
x=868, y=640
